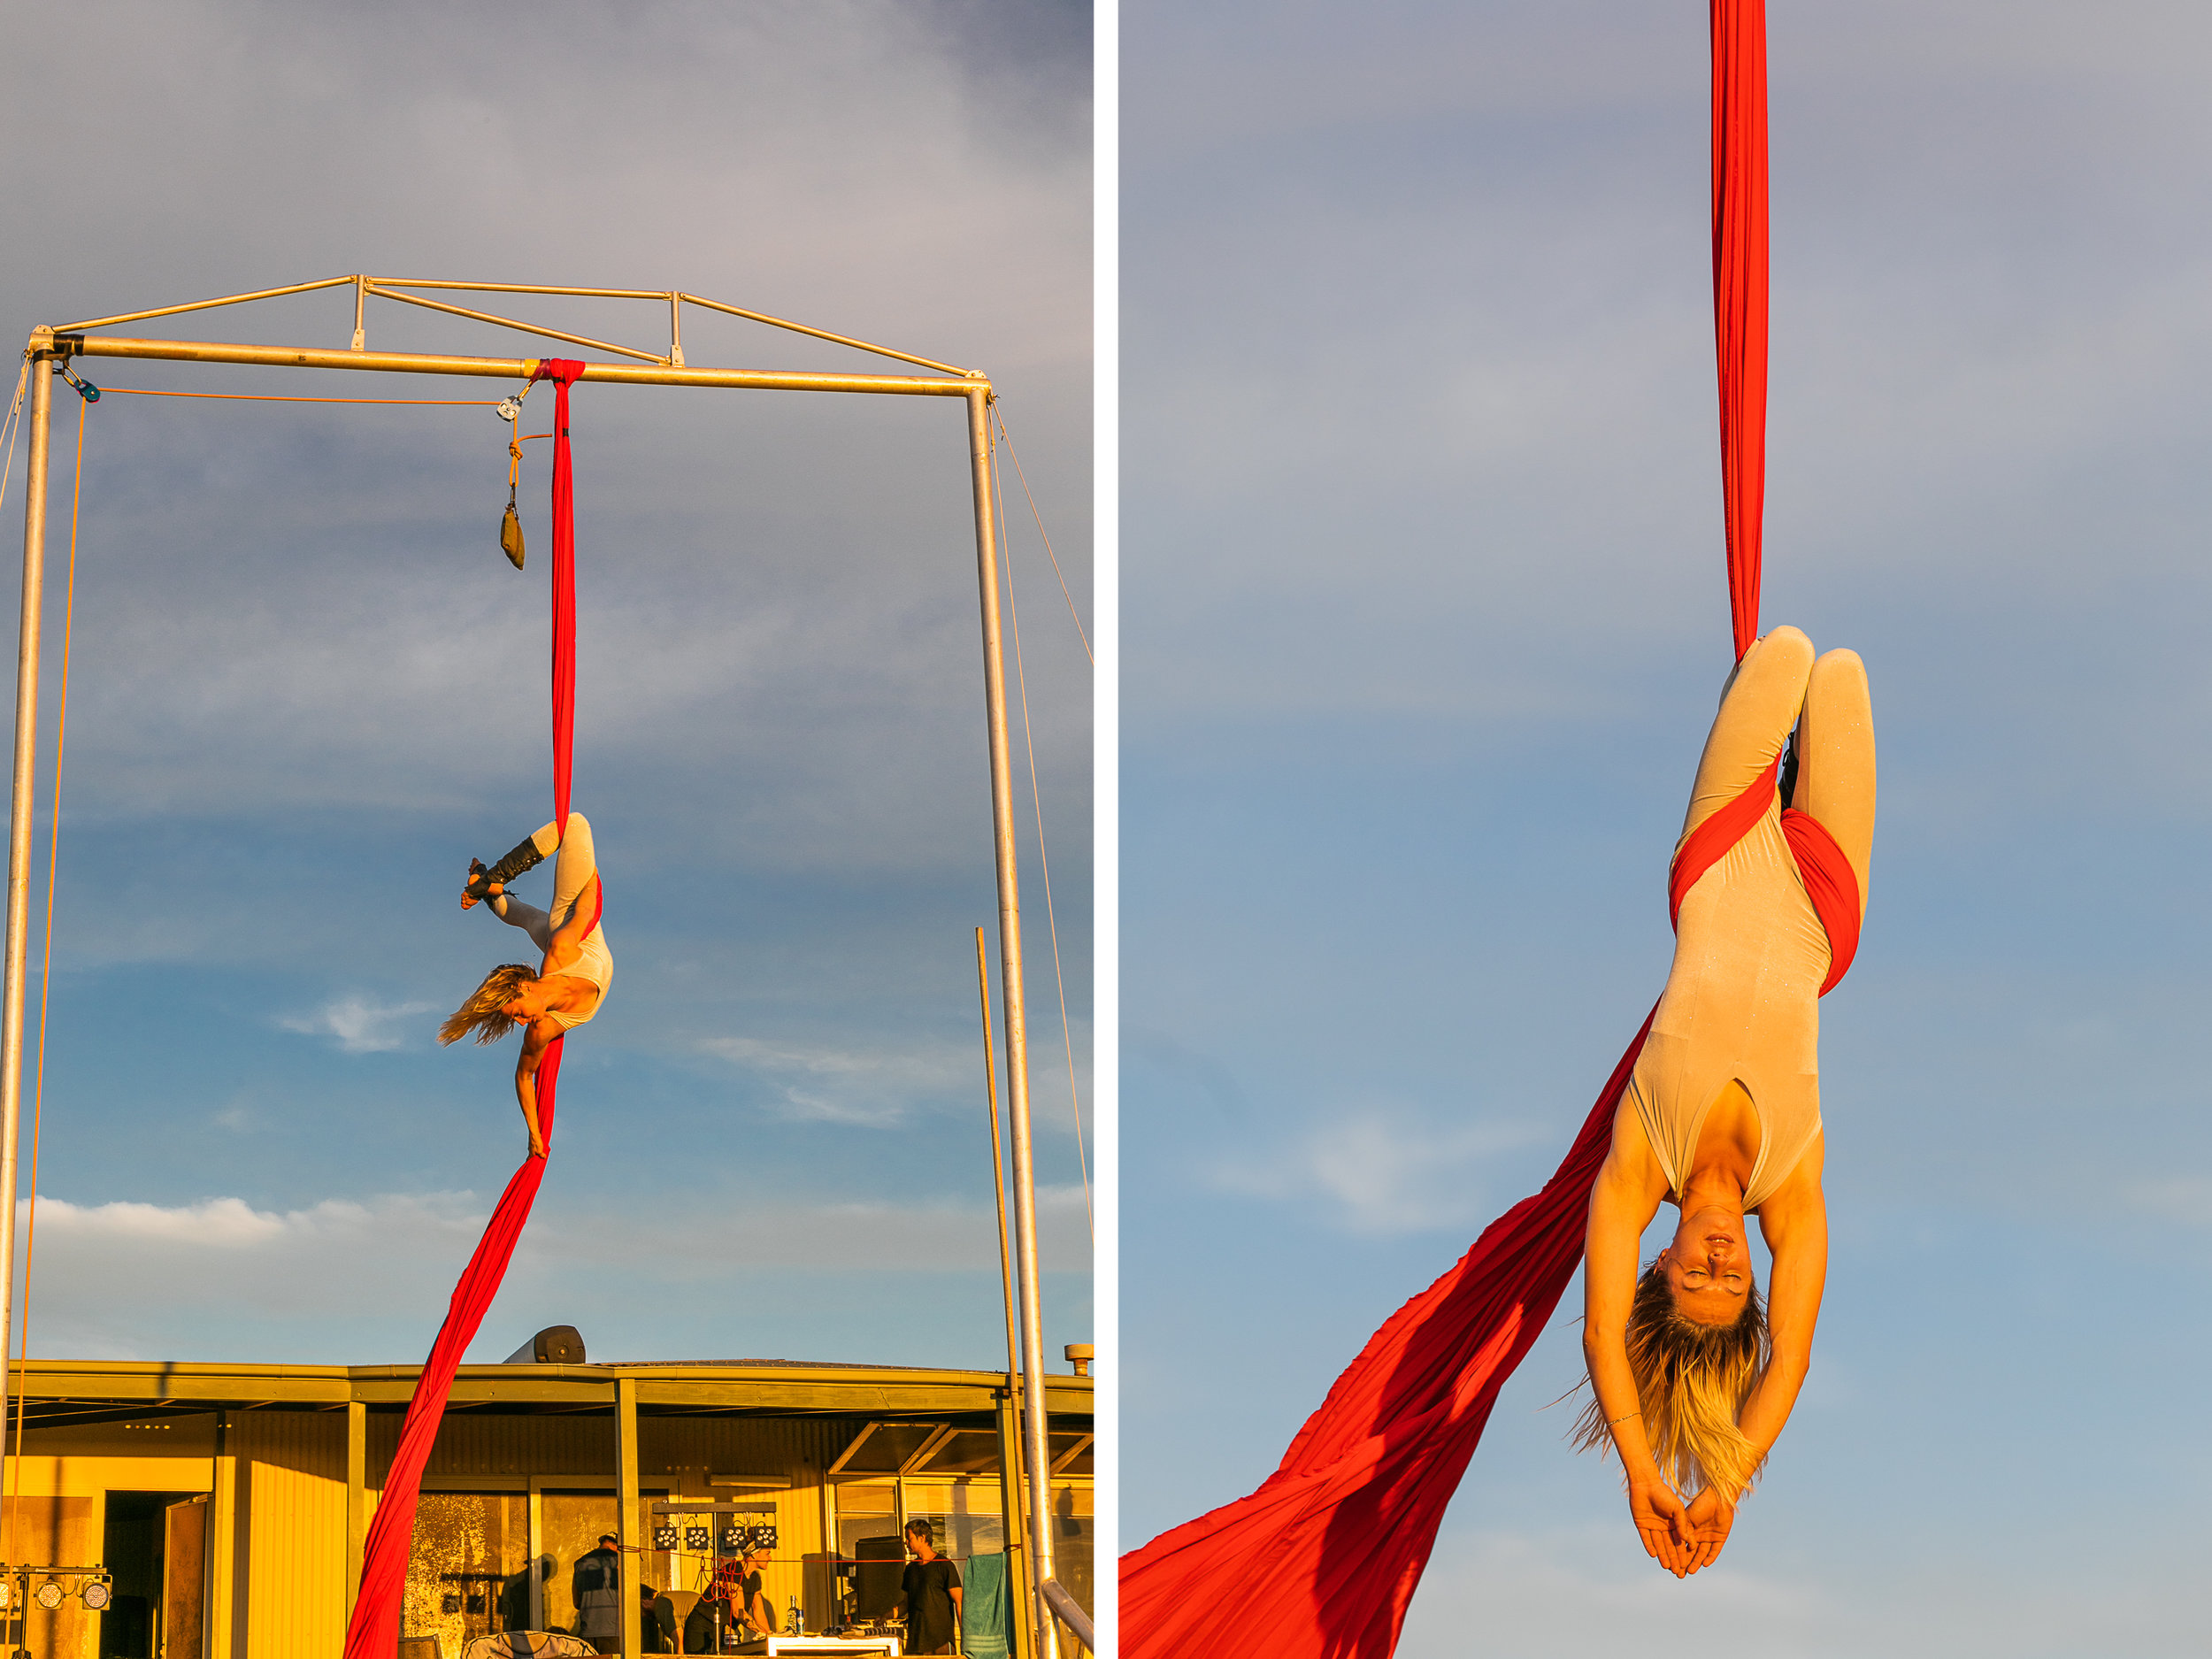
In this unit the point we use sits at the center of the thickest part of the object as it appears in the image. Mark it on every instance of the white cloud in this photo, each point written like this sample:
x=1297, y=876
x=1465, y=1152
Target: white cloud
x=333, y=1279
x=870, y=1089
x=1378, y=1170
x=360, y=1024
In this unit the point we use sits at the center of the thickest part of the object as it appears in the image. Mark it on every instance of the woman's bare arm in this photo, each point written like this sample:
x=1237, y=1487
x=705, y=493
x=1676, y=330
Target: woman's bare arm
x=536, y=1040
x=1794, y=1223
x=1627, y=1195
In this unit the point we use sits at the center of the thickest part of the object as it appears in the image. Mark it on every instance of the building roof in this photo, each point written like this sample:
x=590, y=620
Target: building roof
x=57, y=1392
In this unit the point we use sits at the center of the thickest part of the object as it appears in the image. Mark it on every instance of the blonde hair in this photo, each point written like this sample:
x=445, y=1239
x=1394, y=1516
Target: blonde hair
x=1692, y=1383
x=480, y=1013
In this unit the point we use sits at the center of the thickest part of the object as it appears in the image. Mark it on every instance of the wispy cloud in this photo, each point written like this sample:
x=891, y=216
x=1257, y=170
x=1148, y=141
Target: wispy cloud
x=360, y=1024
x=2184, y=1198
x=345, y=1278
x=1378, y=1170
x=873, y=1088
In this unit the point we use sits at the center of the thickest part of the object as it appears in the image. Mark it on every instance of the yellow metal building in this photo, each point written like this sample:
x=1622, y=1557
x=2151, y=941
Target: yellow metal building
x=228, y=1503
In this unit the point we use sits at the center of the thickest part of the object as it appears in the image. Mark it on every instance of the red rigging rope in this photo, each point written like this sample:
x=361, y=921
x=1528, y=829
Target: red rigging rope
x=373, y=1632
x=1322, y=1561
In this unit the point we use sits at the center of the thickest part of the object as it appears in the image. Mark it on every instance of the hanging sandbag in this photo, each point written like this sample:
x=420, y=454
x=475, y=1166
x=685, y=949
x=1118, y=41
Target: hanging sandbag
x=510, y=527
x=510, y=533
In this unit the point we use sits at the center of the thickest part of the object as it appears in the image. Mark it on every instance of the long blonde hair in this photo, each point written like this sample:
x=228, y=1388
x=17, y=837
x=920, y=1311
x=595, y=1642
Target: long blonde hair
x=1692, y=1383
x=480, y=1013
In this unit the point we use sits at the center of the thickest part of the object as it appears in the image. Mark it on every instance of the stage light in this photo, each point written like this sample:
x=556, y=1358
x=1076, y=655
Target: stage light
x=49, y=1596
x=97, y=1595
x=664, y=1538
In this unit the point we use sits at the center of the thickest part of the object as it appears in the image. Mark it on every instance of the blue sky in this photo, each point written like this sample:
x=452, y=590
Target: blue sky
x=1424, y=619
x=306, y=688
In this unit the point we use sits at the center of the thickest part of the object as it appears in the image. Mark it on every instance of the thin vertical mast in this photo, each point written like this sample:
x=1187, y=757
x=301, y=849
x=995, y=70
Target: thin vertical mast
x=19, y=832
x=1034, y=1447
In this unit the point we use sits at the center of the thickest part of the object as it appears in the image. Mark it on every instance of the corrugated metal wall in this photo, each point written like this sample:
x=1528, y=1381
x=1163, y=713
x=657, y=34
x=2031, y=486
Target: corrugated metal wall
x=292, y=1530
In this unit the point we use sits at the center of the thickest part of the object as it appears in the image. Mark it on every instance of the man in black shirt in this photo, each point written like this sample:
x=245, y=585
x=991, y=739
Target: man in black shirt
x=932, y=1593
x=739, y=1578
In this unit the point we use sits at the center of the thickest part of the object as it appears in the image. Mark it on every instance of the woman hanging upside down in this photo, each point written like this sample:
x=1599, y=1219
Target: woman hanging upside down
x=1691, y=1379
x=568, y=987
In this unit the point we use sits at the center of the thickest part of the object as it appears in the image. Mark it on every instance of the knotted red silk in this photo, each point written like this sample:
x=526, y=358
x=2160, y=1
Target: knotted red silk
x=1830, y=881
x=373, y=1630
x=1322, y=1561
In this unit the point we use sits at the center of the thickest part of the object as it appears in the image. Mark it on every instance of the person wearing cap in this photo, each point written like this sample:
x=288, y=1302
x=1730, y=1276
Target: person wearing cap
x=596, y=1585
x=738, y=1580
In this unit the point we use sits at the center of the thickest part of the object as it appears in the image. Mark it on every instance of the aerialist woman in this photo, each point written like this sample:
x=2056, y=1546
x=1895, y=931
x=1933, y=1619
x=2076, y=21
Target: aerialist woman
x=1691, y=1379
x=568, y=987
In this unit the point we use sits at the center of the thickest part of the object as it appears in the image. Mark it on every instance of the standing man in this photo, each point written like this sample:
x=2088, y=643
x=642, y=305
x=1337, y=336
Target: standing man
x=932, y=1593
x=741, y=1578
x=596, y=1588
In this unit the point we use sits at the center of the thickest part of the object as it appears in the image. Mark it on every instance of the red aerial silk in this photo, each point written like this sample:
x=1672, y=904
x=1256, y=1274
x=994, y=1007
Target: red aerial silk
x=1321, y=1561
x=562, y=371
x=373, y=1632
x=1740, y=292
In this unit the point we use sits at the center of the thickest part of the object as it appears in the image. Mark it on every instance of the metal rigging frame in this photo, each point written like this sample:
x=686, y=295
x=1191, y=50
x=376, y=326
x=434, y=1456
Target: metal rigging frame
x=55, y=345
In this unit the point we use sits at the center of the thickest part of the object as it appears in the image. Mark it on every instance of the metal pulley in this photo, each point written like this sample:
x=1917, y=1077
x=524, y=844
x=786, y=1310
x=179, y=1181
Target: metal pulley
x=511, y=526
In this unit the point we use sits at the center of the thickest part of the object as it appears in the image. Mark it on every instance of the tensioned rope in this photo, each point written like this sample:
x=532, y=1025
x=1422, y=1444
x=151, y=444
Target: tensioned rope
x=999, y=412
x=277, y=397
x=14, y=422
x=1036, y=797
x=45, y=984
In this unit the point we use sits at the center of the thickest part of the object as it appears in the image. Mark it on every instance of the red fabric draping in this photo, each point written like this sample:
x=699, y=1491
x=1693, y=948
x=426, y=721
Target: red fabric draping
x=1322, y=1561
x=373, y=1630
x=563, y=372
x=1832, y=884
x=1740, y=292
x=1830, y=881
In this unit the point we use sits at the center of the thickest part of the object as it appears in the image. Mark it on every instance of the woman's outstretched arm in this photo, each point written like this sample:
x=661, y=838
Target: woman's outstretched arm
x=1621, y=1203
x=536, y=1038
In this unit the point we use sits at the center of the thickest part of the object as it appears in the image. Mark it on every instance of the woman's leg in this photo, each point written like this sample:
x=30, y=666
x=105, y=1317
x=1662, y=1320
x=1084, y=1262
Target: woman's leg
x=1761, y=704
x=1835, y=758
x=528, y=917
x=577, y=866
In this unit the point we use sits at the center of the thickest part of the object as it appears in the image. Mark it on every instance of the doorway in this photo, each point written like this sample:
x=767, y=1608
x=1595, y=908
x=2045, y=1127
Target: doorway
x=135, y=1548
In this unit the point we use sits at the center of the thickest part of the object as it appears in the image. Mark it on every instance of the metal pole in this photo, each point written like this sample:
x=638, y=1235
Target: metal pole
x=1009, y=1446
x=647, y=373
x=1009, y=932
x=19, y=833
x=998, y=1170
x=630, y=1539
